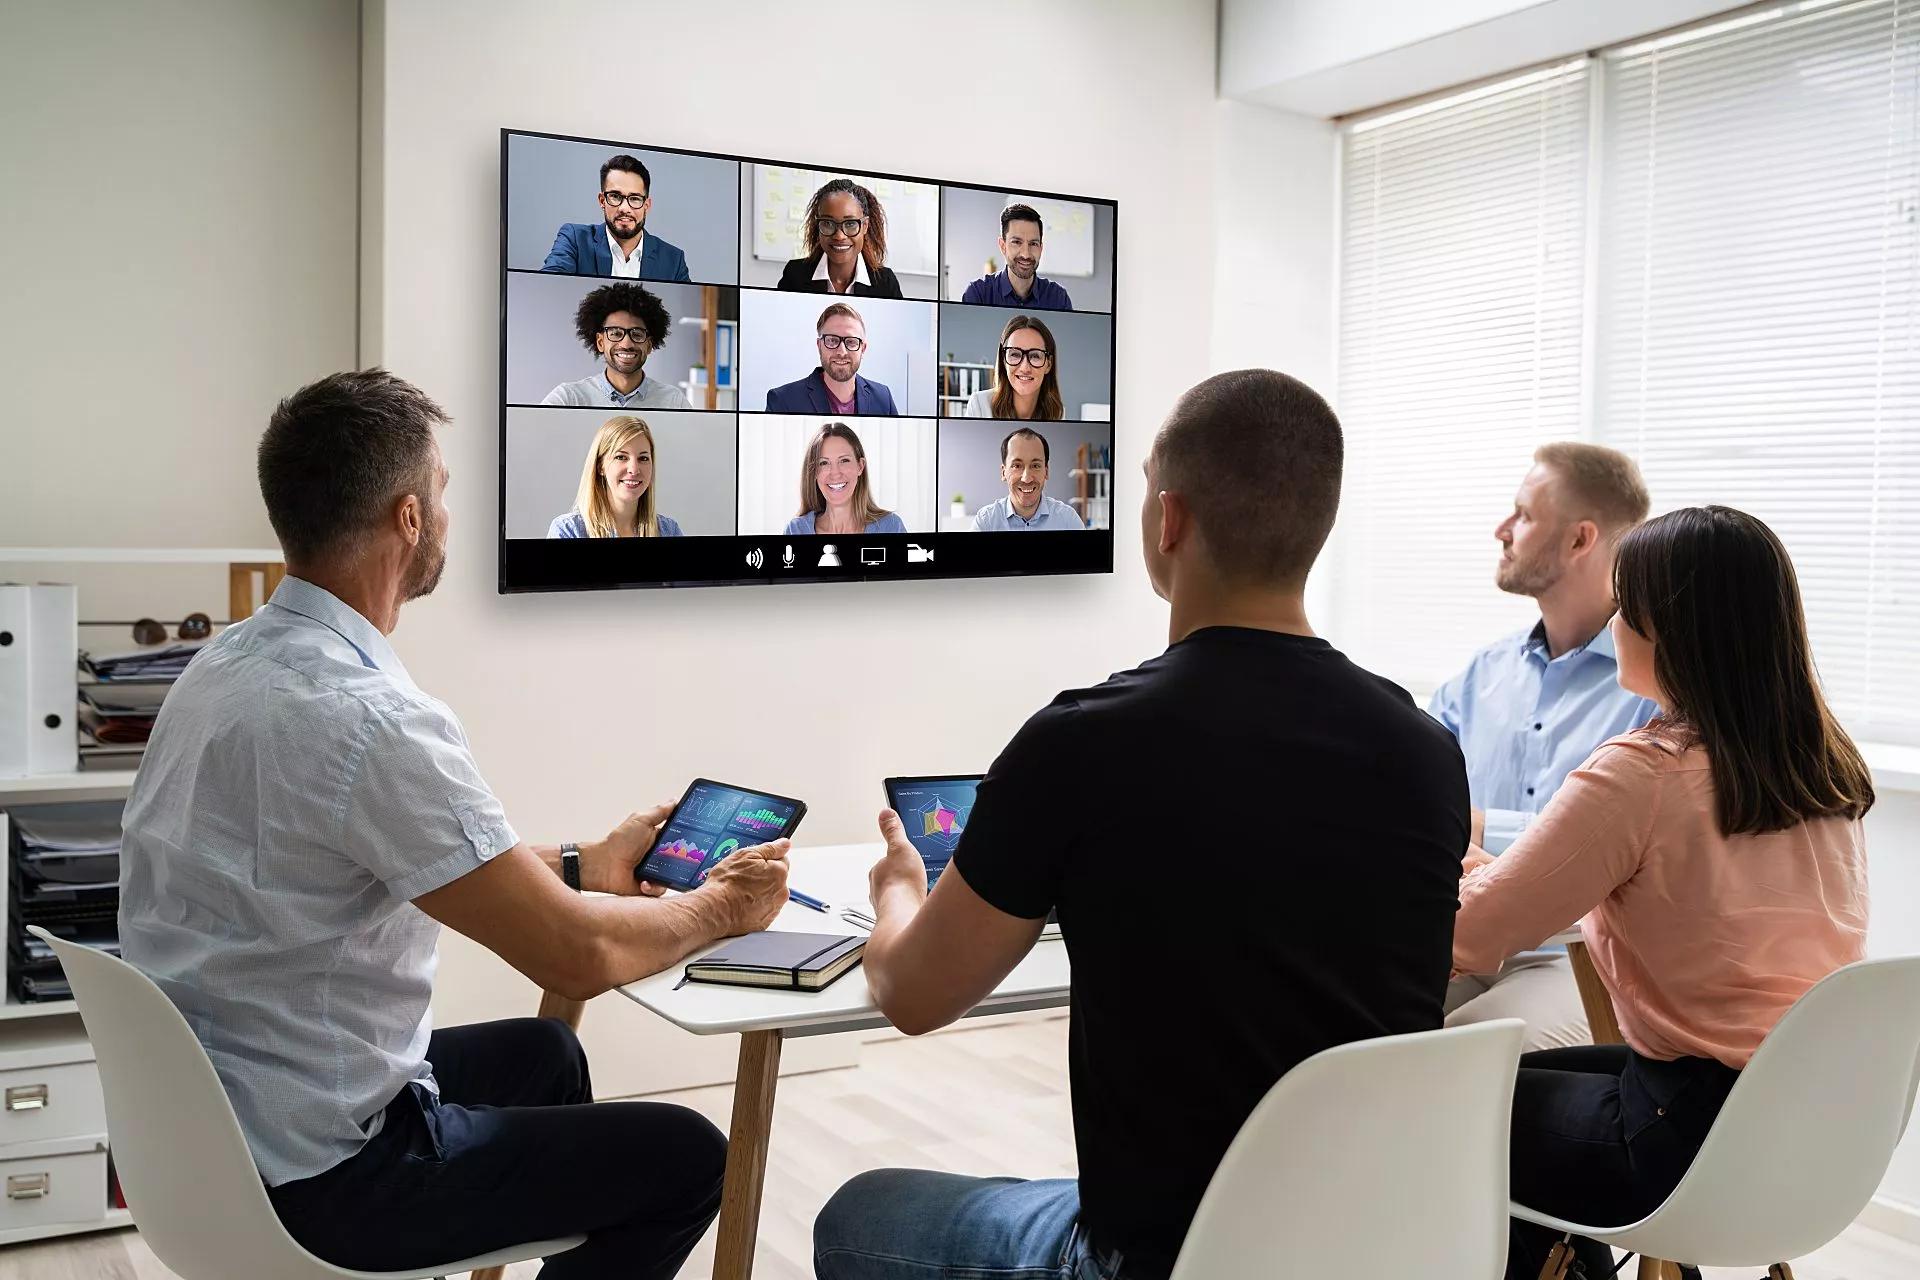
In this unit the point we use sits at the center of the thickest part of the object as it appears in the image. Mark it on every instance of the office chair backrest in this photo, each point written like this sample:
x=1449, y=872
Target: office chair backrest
x=1370, y=1161
x=1808, y=1131
x=183, y=1163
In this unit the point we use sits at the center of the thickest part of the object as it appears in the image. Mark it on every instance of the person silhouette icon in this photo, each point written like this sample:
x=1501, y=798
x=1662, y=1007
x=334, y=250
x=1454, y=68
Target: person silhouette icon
x=829, y=557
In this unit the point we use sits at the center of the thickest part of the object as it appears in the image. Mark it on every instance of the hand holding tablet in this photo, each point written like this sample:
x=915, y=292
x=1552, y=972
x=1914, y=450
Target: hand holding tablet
x=713, y=821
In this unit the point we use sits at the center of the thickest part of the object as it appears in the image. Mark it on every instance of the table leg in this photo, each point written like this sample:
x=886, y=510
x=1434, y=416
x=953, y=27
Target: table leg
x=1593, y=996
x=753, y=1088
x=1606, y=1030
x=567, y=1011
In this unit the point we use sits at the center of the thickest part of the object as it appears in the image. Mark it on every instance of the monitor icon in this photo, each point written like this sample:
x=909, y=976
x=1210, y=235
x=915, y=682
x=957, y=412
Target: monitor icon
x=917, y=554
x=873, y=555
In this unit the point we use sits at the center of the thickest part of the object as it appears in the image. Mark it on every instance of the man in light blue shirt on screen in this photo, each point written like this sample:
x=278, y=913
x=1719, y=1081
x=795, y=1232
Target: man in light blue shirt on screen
x=1025, y=456
x=1530, y=708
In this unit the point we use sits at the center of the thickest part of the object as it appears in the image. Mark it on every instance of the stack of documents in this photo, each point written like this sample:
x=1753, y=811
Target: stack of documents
x=122, y=713
x=65, y=877
x=164, y=663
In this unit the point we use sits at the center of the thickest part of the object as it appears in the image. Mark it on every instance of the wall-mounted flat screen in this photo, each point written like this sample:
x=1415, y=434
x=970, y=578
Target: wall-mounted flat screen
x=718, y=370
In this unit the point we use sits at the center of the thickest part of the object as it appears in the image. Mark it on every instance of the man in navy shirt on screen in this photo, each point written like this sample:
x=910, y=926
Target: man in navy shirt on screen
x=836, y=387
x=619, y=245
x=1306, y=807
x=1021, y=284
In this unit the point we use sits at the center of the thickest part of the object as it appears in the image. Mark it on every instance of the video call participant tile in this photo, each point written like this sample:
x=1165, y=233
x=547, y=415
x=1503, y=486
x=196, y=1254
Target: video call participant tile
x=850, y=235
x=1052, y=366
x=598, y=473
x=616, y=211
x=809, y=353
x=809, y=474
x=1027, y=252
x=1001, y=477
x=580, y=343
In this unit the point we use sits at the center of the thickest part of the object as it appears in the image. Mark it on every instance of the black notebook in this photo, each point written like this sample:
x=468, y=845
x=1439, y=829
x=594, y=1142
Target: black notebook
x=796, y=961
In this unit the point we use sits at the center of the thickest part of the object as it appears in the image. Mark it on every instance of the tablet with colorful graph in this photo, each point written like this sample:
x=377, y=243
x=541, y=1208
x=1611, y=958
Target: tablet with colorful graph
x=711, y=821
x=936, y=812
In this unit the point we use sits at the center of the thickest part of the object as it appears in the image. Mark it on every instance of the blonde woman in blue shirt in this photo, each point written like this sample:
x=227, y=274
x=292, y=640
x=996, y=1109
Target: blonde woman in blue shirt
x=616, y=497
x=835, y=495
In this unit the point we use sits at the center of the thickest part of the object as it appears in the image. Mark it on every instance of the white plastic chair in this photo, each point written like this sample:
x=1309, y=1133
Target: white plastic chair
x=1804, y=1138
x=1375, y=1160
x=183, y=1163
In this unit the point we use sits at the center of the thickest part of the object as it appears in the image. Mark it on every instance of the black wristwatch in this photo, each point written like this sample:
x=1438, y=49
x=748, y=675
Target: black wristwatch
x=570, y=865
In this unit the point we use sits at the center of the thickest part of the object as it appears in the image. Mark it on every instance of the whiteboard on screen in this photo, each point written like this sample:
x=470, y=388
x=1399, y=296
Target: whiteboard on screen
x=781, y=193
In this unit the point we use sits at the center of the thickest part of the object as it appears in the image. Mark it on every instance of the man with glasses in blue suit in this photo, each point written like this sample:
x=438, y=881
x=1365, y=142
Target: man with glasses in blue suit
x=618, y=246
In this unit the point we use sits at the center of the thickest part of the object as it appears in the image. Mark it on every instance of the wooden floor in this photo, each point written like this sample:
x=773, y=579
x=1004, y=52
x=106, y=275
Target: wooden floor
x=984, y=1101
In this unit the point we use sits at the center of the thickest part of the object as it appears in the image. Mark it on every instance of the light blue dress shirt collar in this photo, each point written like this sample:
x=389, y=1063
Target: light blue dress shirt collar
x=1525, y=721
x=297, y=595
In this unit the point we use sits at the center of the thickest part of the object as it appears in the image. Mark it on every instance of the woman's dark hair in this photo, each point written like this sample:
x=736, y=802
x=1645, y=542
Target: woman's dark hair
x=1050, y=407
x=1714, y=590
x=874, y=248
x=630, y=298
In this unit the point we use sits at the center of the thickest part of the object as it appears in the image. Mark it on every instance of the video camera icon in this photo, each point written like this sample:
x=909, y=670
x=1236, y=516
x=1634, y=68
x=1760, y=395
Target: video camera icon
x=917, y=554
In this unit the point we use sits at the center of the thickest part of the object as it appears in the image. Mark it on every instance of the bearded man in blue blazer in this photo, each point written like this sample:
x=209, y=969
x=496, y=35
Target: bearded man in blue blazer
x=619, y=245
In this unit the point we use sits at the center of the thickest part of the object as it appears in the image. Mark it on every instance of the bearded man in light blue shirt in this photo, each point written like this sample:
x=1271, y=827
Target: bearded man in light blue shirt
x=306, y=819
x=1530, y=708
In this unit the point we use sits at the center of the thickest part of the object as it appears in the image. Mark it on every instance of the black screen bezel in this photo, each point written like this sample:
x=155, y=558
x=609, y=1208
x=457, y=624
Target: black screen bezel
x=539, y=564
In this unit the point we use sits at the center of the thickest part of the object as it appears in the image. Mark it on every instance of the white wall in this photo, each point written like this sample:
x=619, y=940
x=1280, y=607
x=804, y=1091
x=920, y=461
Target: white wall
x=176, y=254
x=846, y=683
x=1335, y=57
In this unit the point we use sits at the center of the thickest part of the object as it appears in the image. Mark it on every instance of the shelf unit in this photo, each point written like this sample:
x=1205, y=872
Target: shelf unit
x=252, y=575
x=952, y=383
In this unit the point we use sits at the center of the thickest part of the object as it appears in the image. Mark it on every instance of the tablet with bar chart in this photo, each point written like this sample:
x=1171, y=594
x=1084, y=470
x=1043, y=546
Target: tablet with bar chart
x=711, y=821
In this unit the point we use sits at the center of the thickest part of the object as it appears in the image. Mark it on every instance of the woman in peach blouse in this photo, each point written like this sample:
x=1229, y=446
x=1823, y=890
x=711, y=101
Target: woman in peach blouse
x=1713, y=860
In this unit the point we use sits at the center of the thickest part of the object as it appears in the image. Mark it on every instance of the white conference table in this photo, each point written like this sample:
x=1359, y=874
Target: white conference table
x=763, y=1018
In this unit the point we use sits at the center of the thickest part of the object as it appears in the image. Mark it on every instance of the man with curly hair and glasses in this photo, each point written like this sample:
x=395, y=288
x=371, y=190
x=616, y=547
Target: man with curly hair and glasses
x=623, y=324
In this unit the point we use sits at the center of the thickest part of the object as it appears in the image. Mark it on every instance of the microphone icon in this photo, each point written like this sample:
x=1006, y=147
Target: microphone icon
x=787, y=559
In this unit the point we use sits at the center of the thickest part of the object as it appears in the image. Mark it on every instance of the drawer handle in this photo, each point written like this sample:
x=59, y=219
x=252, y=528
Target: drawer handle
x=27, y=1186
x=26, y=1097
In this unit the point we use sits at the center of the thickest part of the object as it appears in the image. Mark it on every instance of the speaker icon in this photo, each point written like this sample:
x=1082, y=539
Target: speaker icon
x=756, y=558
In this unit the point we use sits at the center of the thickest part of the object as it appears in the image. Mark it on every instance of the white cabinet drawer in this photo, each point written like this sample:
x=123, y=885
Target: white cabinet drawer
x=61, y=1185
x=59, y=1100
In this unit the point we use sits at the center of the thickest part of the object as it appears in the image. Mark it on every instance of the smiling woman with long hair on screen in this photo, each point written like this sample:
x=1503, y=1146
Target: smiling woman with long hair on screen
x=835, y=495
x=844, y=234
x=1027, y=381
x=616, y=495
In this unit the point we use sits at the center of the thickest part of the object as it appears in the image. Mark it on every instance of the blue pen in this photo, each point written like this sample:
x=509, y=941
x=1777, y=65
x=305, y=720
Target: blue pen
x=794, y=895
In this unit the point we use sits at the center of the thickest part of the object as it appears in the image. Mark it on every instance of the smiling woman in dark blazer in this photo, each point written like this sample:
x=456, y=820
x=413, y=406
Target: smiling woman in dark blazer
x=846, y=243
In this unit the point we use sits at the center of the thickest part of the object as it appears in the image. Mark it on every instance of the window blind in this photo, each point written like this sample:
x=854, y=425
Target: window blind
x=1746, y=292
x=1462, y=253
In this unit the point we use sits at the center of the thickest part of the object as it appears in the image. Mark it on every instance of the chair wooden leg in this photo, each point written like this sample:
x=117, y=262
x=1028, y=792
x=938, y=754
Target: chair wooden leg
x=1559, y=1258
x=1779, y=1271
x=489, y=1273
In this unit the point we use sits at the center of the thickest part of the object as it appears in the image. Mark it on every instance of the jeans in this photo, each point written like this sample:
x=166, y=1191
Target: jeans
x=1603, y=1135
x=914, y=1224
x=515, y=1150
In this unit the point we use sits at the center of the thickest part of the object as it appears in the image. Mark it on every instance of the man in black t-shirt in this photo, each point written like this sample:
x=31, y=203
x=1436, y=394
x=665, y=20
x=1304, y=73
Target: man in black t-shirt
x=1253, y=845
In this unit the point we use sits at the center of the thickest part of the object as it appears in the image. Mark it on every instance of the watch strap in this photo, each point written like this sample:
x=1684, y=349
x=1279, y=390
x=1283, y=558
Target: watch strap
x=570, y=865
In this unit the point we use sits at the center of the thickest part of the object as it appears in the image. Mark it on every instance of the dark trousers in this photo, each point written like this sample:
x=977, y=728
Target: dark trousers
x=515, y=1149
x=1603, y=1135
